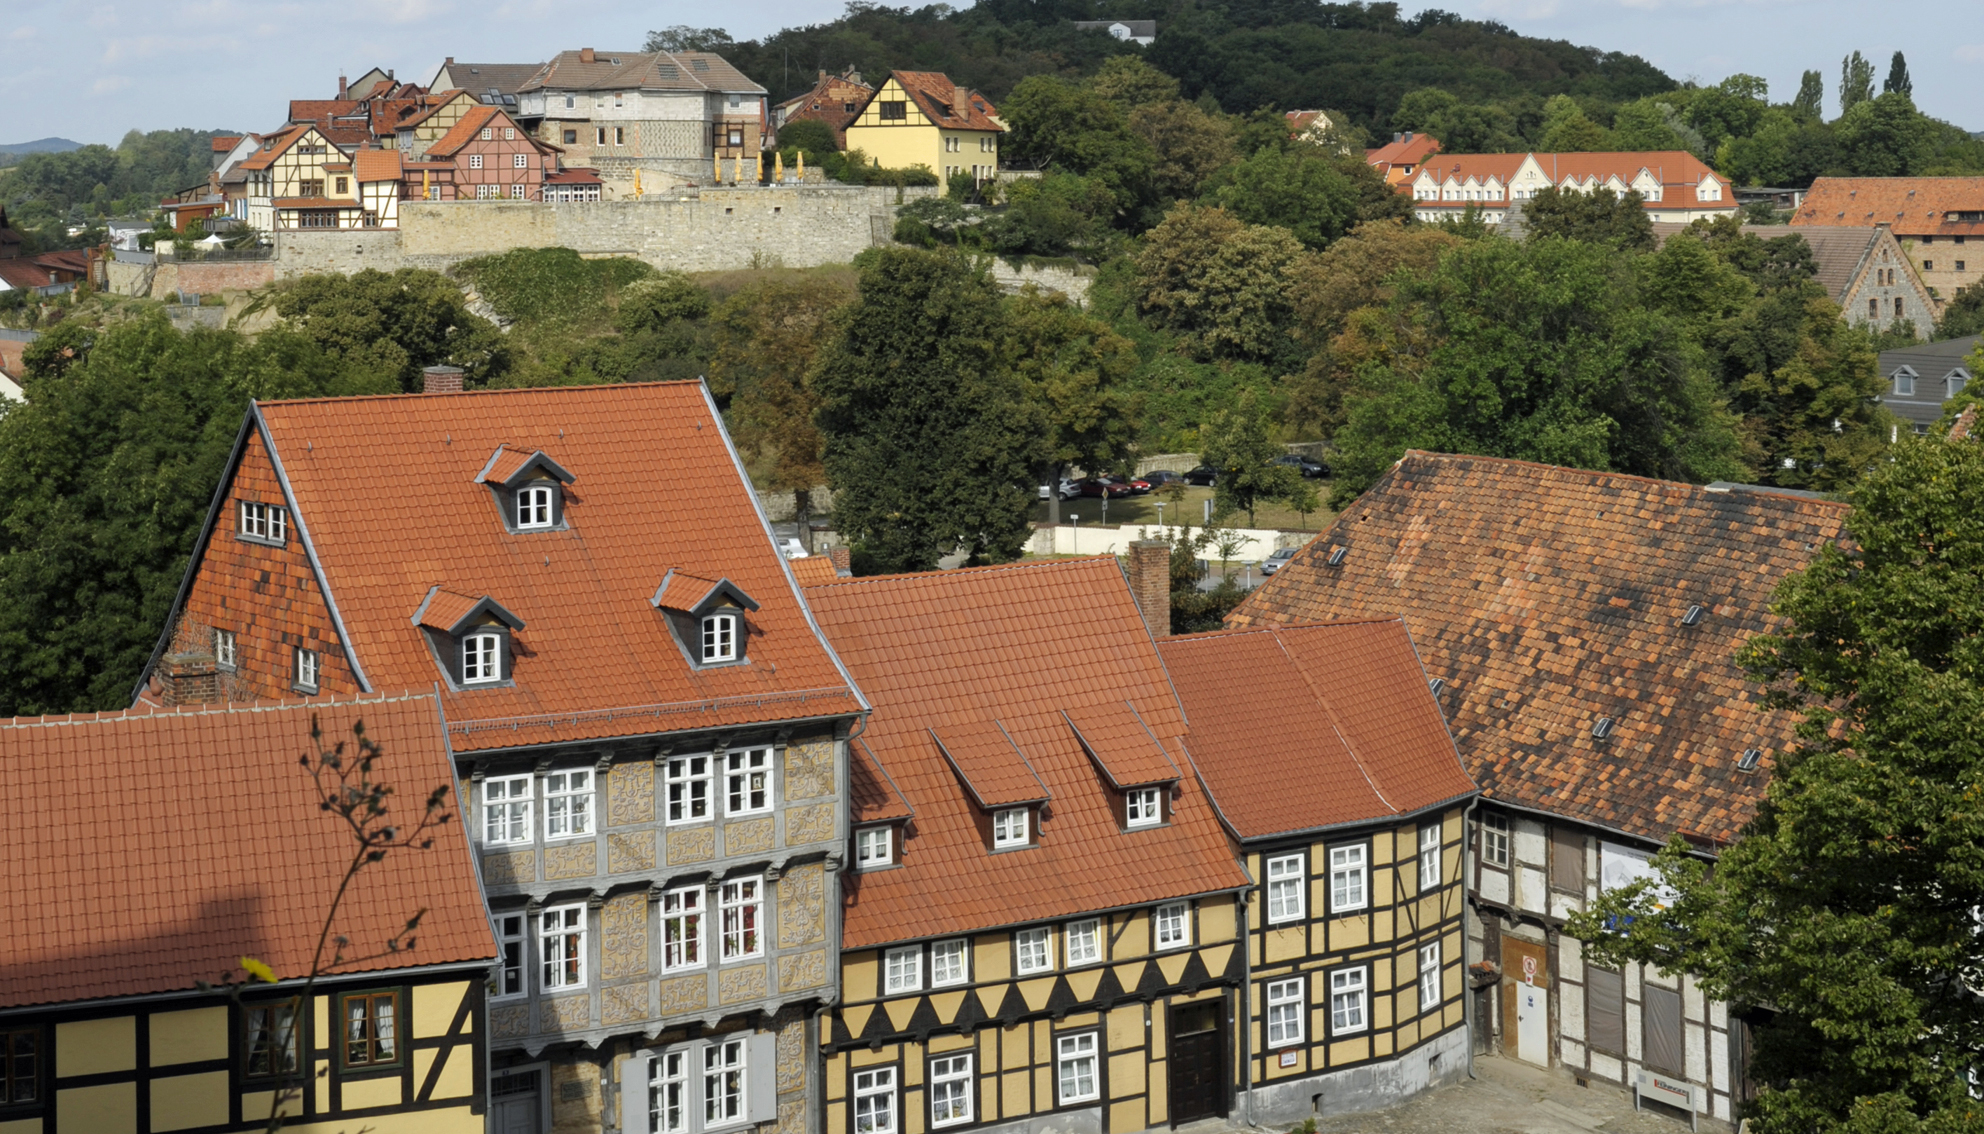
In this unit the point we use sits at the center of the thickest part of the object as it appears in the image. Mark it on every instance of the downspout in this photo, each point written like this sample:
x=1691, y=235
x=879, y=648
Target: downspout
x=1467, y=1005
x=1246, y=1012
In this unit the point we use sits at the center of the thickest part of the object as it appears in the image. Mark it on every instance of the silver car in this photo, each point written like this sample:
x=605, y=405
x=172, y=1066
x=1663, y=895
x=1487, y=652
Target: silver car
x=1274, y=561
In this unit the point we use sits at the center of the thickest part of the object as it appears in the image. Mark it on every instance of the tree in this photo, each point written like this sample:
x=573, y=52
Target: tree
x=1964, y=314
x=1076, y=372
x=1810, y=102
x=1650, y=124
x=392, y=323
x=1856, y=81
x=1059, y=214
x=1599, y=216
x=1069, y=127
x=928, y=437
x=1191, y=145
x=1846, y=913
x=1236, y=444
x=681, y=37
x=1219, y=283
x=1898, y=81
x=1814, y=420
x=1566, y=129
x=1300, y=189
x=1885, y=137
x=809, y=136
x=1129, y=82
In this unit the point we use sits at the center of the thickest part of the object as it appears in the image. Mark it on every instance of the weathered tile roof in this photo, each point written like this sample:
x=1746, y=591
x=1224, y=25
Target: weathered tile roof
x=988, y=659
x=948, y=105
x=1914, y=206
x=274, y=145
x=163, y=846
x=1313, y=725
x=377, y=165
x=1412, y=149
x=627, y=70
x=1549, y=598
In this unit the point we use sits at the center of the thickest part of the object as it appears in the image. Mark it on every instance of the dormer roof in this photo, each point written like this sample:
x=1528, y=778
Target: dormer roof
x=510, y=466
x=695, y=595
x=991, y=767
x=452, y=613
x=1120, y=745
x=872, y=790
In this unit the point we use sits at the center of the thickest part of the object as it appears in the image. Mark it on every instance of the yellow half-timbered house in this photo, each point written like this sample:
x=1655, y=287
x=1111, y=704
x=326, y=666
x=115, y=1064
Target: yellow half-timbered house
x=923, y=118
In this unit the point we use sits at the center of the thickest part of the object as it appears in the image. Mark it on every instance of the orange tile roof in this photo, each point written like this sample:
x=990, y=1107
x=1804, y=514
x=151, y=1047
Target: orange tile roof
x=224, y=142
x=274, y=145
x=1414, y=149
x=1123, y=749
x=1314, y=725
x=164, y=846
x=1913, y=206
x=464, y=131
x=814, y=570
x=934, y=92
x=989, y=766
x=387, y=503
x=966, y=654
x=1548, y=598
x=315, y=109
x=377, y=165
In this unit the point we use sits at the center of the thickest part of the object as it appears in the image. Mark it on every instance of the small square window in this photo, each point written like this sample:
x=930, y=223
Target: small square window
x=1009, y=827
x=1287, y=883
x=1084, y=942
x=517, y=191
x=949, y=963
x=741, y=903
x=482, y=658
x=270, y=1042
x=224, y=649
x=1495, y=839
x=1145, y=807
x=306, y=670
x=562, y=945
x=370, y=1025
x=950, y=1090
x=687, y=781
x=1347, y=889
x=1928, y=265
x=904, y=970
x=344, y=184
x=568, y=800
x=1960, y=266
x=1033, y=950
x=1173, y=925
x=486, y=134
x=475, y=161
x=1429, y=977
x=1075, y=1060
x=719, y=638
x=682, y=928
x=1284, y=1013
x=1347, y=996
x=571, y=137
x=509, y=133
x=873, y=847
x=519, y=161
x=265, y=523
x=747, y=781
x=510, y=939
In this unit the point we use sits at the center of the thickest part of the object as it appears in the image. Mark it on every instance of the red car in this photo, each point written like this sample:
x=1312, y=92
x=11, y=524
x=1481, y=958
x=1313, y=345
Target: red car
x=1105, y=486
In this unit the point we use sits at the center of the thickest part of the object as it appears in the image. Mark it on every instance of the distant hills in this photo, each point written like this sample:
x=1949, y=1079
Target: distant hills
x=41, y=146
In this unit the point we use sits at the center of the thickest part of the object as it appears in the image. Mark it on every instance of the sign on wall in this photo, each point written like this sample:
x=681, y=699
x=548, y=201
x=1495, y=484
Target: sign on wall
x=1620, y=866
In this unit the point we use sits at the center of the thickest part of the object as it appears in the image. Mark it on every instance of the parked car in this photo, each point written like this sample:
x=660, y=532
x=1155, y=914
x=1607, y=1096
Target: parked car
x=1104, y=486
x=1069, y=490
x=1203, y=475
x=1137, y=485
x=1276, y=558
x=1308, y=466
x=791, y=548
x=1158, y=478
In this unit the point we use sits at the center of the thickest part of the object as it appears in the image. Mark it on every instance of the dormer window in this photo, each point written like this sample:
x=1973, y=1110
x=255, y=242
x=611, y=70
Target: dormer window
x=469, y=637
x=1009, y=828
x=706, y=618
x=482, y=659
x=263, y=523
x=1144, y=807
x=874, y=847
x=529, y=488
x=719, y=638
x=534, y=507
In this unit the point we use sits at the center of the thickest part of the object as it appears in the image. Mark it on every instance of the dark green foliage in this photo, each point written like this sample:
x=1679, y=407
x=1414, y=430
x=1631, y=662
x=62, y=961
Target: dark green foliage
x=810, y=135
x=45, y=192
x=106, y=474
x=1310, y=193
x=1886, y=137
x=1060, y=214
x=1236, y=442
x=549, y=285
x=1898, y=81
x=1963, y=314
x=929, y=221
x=1073, y=128
x=1856, y=81
x=1597, y=217
x=1811, y=95
x=1848, y=907
x=392, y=324
x=929, y=441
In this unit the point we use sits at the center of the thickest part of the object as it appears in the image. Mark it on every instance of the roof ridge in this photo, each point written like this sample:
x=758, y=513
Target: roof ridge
x=222, y=708
x=1681, y=486
x=957, y=572
x=353, y=399
x=1231, y=631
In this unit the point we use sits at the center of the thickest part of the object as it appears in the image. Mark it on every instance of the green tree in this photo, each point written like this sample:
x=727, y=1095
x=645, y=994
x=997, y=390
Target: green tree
x=928, y=437
x=1810, y=102
x=1069, y=127
x=1813, y=420
x=809, y=136
x=1651, y=125
x=1566, y=129
x=1076, y=372
x=1059, y=214
x=1848, y=908
x=1963, y=314
x=1236, y=442
x=1856, y=81
x=1129, y=82
x=1596, y=217
x=1301, y=189
x=1898, y=81
x=1191, y=145
x=392, y=323
x=1218, y=283
x=1886, y=137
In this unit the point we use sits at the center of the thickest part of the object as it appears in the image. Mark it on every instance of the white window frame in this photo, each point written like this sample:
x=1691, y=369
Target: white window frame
x=224, y=651
x=719, y=637
x=482, y=659
x=517, y=191
x=475, y=161
x=1429, y=976
x=265, y=522
x=747, y=781
x=535, y=507
x=561, y=940
x=1495, y=839
x=874, y=847
x=1071, y=1052
x=950, y=962
x=1904, y=385
x=902, y=970
x=1288, y=888
x=1084, y=942
x=1009, y=828
x=1350, y=878
x=741, y=917
x=488, y=134
x=513, y=956
x=519, y=161
x=686, y=787
x=1143, y=807
x=308, y=667
x=1171, y=926
x=875, y=1101
x=683, y=915
x=1033, y=950
x=725, y=1066
x=668, y=1091
x=1429, y=858
x=506, y=810
x=1350, y=1000
x=568, y=803
x=1285, y=1012
x=951, y=1089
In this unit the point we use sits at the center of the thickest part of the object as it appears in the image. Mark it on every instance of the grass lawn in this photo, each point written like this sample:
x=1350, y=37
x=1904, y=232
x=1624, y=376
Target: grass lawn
x=1143, y=510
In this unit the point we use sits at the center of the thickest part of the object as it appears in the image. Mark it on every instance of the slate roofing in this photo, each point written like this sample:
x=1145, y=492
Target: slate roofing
x=595, y=659
x=1914, y=206
x=1315, y=725
x=946, y=104
x=629, y=70
x=480, y=78
x=182, y=840
x=1932, y=360
x=983, y=663
x=1548, y=599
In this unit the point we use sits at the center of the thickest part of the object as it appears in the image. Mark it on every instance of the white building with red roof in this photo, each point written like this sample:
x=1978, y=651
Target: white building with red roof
x=1673, y=185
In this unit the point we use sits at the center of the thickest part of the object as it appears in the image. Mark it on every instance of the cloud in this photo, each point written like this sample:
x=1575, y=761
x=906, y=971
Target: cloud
x=110, y=84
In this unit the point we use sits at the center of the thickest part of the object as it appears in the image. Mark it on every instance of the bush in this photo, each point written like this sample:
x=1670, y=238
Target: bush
x=808, y=134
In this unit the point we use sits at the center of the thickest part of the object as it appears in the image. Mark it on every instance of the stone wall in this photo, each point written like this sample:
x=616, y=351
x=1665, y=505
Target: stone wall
x=201, y=278
x=128, y=278
x=1070, y=280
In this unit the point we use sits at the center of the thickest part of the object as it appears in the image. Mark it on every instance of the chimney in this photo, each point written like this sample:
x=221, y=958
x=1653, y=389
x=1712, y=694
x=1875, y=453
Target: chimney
x=823, y=75
x=1150, y=583
x=586, y=55
x=843, y=561
x=440, y=379
x=450, y=62
x=189, y=679
x=340, y=86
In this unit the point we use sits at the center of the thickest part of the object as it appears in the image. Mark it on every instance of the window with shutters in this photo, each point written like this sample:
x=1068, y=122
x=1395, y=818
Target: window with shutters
x=723, y=1083
x=1605, y=1009
x=1660, y=1015
x=1567, y=860
x=700, y=1085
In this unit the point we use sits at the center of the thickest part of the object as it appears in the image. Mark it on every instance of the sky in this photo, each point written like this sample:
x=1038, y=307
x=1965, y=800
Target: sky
x=89, y=70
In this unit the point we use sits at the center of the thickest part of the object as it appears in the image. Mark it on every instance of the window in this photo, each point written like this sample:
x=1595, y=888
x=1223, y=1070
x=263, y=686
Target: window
x=619, y=99
x=1284, y=1012
x=509, y=133
x=534, y=507
x=1429, y=977
x=519, y=161
x=723, y=1083
x=602, y=136
x=734, y=137
x=720, y=638
x=682, y=928
x=1567, y=860
x=873, y=847
x=950, y=1090
x=306, y=670
x=1873, y=309
x=1928, y=265
x=487, y=134
x=1173, y=930
x=1429, y=858
x=506, y=810
x=264, y=522
x=947, y=963
x=619, y=135
x=1347, y=991
x=1084, y=943
x=224, y=639
x=904, y=970
x=488, y=192
x=1074, y=1057
x=371, y=1028
x=1897, y=307
x=1904, y=385
x=1959, y=263
x=668, y=1090
x=1661, y=1020
x=271, y=1039
x=510, y=940
x=688, y=783
x=747, y=781
x=482, y=658
x=894, y=111
x=1495, y=839
x=562, y=944
x=568, y=804
x=1032, y=952
x=1605, y=1000
x=344, y=184
x=1346, y=878
x=875, y=1101
x=475, y=161
x=742, y=905
x=1953, y=383
x=1009, y=827
x=571, y=137
x=310, y=187
x=1145, y=807
x=1285, y=884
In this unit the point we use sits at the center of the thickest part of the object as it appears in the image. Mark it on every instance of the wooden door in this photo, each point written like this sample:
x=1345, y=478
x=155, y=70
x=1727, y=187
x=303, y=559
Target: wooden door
x=1525, y=974
x=1198, y=1062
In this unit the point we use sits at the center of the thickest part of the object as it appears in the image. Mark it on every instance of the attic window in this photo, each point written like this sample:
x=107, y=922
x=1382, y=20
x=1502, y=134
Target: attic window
x=482, y=659
x=529, y=488
x=1336, y=556
x=895, y=111
x=873, y=847
x=1693, y=617
x=706, y=617
x=1602, y=729
x=1009, y=828
x=1436, y=686
x=534, y=507
x=699, y=64
x=1749, y=760
x=470, y=637
x=1143, y=807
x=719, y=638
x=263, y=523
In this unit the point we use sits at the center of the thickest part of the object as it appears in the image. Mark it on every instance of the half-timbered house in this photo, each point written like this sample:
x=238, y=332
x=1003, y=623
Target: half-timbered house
x=299, y=179
x=923, y=118
x=486, y=156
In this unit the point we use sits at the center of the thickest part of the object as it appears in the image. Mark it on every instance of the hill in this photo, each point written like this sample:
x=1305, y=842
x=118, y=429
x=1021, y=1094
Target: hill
x=41, y=146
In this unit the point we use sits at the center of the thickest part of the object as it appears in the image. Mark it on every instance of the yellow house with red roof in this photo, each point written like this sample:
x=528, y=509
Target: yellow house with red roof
x=923, y=118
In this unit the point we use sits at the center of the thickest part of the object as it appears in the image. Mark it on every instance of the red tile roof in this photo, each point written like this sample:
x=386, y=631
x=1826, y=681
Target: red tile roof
x=814, y=570
x=1314, y=725
x=225, y=143
x=1913, y=206
x=990, y=658
x=1548, y=598
x=274, y=145
x=948, y=105
x=573, y=177
x=1123, y=749
x=163, y=846
x=463, y=132
x=1410, y=150
x=377, y=165
x=24, y=274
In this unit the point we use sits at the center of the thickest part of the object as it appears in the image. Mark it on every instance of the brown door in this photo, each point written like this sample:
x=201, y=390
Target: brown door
x=1198, y=1062
x=1525, y=1001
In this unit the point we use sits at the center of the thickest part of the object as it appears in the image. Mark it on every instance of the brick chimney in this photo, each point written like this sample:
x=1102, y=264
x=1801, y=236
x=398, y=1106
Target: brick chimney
x=587, y=55
x=1150, y=583
x=189, y=679
x=440, y=379
x=843, y=561
x=341, y=87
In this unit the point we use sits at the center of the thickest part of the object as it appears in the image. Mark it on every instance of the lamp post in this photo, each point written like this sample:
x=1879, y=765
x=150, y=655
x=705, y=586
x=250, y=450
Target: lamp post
x=1160, y=512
